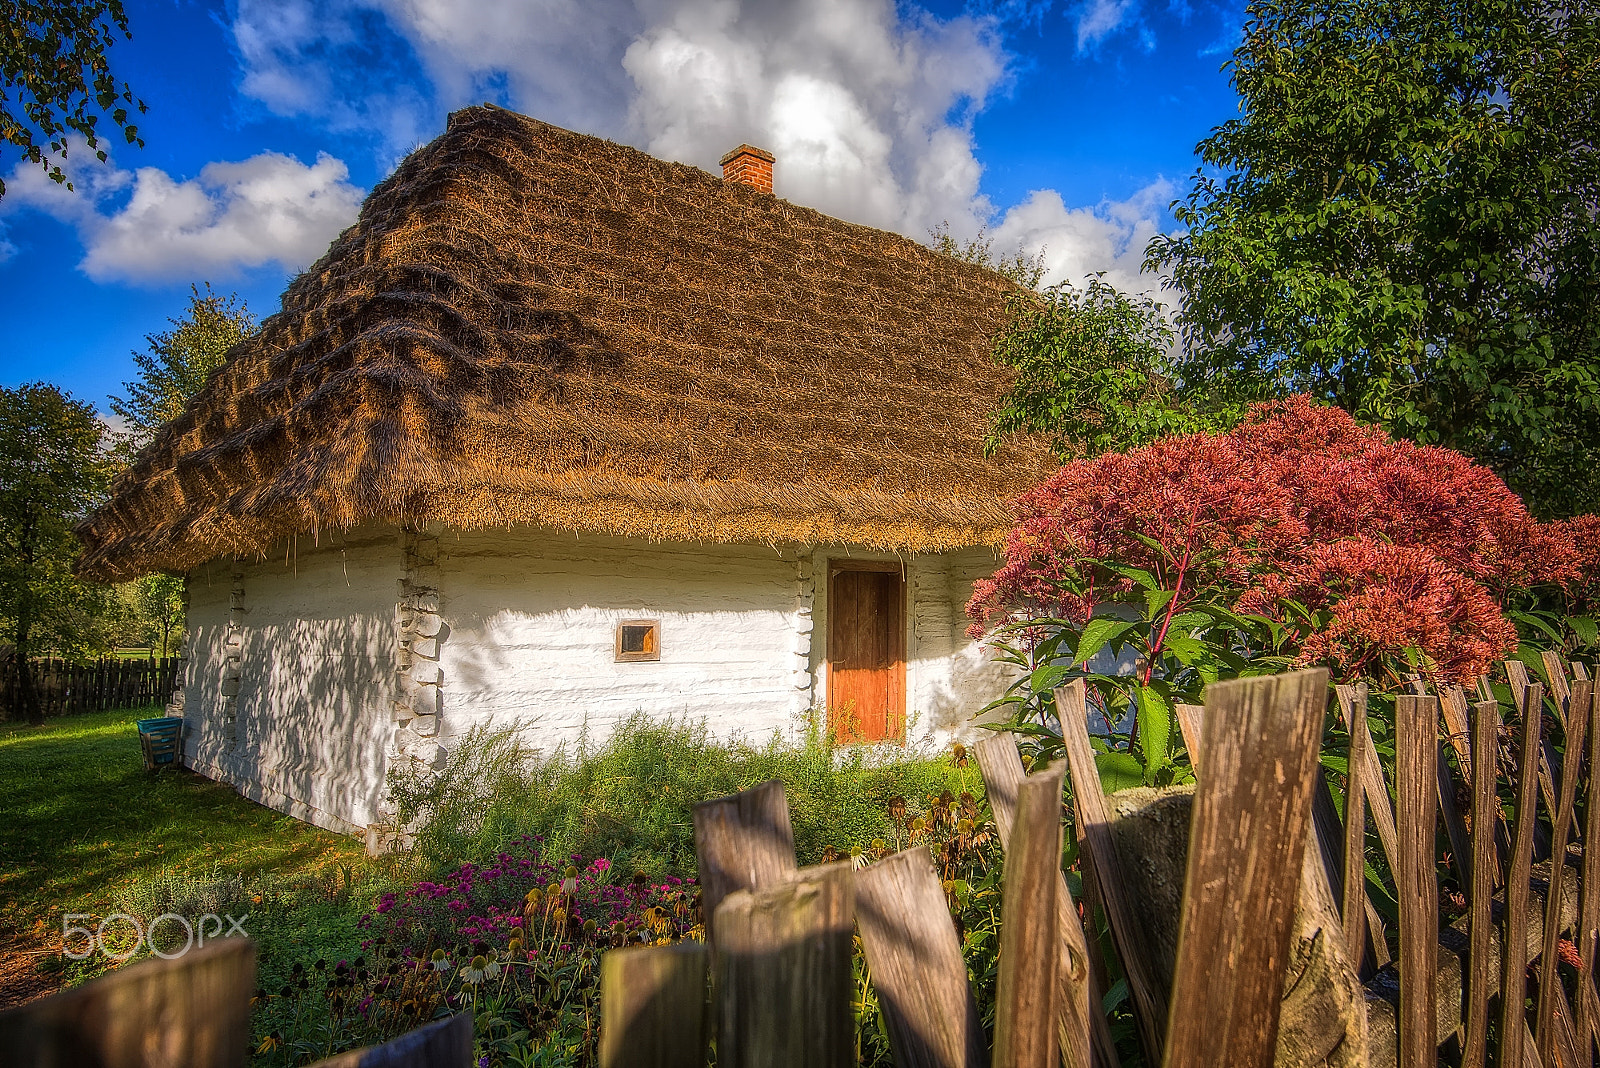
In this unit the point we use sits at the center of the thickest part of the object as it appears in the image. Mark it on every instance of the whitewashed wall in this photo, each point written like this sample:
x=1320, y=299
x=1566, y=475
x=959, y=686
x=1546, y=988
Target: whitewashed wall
x=316, y=660
x=529, y=620
x=532, y=619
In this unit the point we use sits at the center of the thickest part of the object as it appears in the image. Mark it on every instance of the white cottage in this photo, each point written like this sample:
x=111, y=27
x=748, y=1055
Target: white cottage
x=558, y=432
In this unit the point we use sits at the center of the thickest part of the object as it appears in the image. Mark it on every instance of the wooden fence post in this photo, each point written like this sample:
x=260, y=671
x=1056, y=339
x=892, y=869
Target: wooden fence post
x=444, y=1043
x=1485, y=817
x=742, y=842
x=1094, y=820
x=1082, y=1031
x=1550, y=992
x=190, y=1012
x=1247, y=838
x=1588, y=934
x=653, y=1006
x=917, y=968
x=1416, y=790
x=784, y=979
x=1030, y=942
x=1354, y=903
x=1513, y=978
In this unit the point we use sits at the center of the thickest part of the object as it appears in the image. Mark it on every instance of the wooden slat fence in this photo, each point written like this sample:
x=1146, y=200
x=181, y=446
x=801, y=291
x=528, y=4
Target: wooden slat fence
x=64, y=686
x=775, y=981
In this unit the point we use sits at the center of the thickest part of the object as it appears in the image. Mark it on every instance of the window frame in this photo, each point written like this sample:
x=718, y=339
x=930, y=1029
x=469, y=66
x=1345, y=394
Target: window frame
x=652, y=650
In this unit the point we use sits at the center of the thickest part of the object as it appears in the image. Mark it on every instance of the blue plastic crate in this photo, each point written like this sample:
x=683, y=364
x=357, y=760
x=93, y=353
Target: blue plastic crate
x=160, y=739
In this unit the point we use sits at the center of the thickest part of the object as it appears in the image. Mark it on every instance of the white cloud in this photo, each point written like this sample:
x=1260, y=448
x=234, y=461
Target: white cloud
x=1110, y=236
x=1099, y=19
x=867, y=104
x=146, y=227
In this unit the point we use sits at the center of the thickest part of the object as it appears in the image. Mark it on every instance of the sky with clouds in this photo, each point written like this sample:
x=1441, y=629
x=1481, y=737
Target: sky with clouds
x=1062, y=128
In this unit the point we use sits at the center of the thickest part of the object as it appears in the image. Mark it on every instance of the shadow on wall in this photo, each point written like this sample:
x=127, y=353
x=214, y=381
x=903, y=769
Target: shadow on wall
x=313, y=710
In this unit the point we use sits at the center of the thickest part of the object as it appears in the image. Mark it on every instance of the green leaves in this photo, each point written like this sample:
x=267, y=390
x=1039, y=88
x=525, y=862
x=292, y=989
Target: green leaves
x=54, y=70
x=52, y=470
x=1155, y=733
x=178, y=362
x=1119, y=771
x=1402, y=222
x=1101, y=632
x=1092, y=372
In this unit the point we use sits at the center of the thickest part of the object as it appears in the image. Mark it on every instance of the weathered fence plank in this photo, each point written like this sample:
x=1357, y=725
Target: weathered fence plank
x=1191, y=722
x=1094, y=822
x=63, y=688
x=1416, y=791
x=1485, y=815
x=1550, y=992
x=783, y=972
x=444, y=1043
x=1030, y=942
x=742, y=842
x=915, y=960
x=1353, y=904
x=653, y=1006
x=191, y=1012
x=1082, y=1031
x=1353, y=707
x=1513, y=979
x=1587, y=936
x=1246, y=852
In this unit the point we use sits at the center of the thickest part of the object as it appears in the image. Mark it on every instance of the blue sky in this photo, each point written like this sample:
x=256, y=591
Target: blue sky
x=1062, y=127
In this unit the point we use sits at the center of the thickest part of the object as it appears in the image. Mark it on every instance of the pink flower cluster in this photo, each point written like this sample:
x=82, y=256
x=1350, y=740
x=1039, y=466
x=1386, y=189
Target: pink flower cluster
x=483, y=903
x=1395, y=545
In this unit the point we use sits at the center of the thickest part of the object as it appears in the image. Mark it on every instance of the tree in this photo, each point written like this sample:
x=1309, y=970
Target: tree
x=1404, y=223
x=178, y=362
x=53, y=468
x=1093, y=372
x=156, y=611
x=55, y=80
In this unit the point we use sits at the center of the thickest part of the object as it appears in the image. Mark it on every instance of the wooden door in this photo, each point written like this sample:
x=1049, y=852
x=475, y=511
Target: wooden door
x=866, y=653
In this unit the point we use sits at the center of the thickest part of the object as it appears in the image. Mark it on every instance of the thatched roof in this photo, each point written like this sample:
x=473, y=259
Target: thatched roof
x=528, y=325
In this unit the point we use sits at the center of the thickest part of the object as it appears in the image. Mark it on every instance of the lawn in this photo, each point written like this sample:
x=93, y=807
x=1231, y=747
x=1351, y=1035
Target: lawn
x=84, y=822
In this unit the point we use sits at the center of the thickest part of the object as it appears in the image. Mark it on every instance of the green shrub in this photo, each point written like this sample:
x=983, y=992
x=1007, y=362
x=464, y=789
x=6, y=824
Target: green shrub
x=632, y=799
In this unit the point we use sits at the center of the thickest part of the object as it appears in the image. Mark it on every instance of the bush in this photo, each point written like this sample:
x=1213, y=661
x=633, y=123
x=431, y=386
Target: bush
x=1299, y=538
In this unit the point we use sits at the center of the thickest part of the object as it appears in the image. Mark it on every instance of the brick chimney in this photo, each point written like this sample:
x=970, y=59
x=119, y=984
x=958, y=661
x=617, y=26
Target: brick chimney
x=749, y=166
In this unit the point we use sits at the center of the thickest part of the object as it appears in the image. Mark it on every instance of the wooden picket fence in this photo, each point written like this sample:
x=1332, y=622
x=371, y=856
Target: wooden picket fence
x=1263, y=828
x=64, y=686
x=773, y=985
x=778, y=956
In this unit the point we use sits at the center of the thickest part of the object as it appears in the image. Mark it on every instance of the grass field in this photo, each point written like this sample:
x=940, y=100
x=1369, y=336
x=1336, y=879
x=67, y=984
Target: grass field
x=83, y=822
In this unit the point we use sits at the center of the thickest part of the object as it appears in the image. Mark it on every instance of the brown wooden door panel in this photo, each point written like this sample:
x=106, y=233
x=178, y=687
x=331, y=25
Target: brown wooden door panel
x=866, y=655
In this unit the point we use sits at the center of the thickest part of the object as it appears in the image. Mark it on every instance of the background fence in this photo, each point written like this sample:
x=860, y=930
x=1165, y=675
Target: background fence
x=111, y=682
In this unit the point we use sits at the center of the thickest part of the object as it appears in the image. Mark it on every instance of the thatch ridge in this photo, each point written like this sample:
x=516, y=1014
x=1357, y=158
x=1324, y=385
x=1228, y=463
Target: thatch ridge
x=528, y=325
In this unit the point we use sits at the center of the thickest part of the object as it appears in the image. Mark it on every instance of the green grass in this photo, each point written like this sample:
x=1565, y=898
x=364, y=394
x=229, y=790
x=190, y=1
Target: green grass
x=84, y=823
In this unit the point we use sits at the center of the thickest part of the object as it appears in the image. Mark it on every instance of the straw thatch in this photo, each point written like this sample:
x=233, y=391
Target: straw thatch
x=527, y=325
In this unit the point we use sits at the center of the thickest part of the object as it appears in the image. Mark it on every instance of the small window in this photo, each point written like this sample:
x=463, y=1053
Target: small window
x=638, y=639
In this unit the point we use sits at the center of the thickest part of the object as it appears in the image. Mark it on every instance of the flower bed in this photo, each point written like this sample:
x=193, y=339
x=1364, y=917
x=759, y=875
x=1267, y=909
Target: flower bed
x=518, y=941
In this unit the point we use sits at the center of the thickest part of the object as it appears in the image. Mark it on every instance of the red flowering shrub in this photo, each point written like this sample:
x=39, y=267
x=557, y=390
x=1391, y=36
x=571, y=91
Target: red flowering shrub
x=1360, y=550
